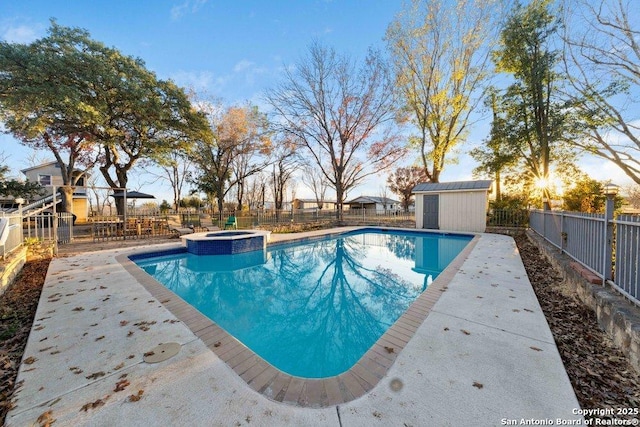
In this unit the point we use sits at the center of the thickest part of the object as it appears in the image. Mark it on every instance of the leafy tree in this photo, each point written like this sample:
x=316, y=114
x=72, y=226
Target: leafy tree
x=403, y=180
x=91, y=104
x=440, y=52
x=165, y=206
x=47, y=103
x=511, y=201
x=586, y=195
x=149, y=118
x=339, y=112
x=530, y=108
x=15, y=188
x=602, y=57
x=496, y=155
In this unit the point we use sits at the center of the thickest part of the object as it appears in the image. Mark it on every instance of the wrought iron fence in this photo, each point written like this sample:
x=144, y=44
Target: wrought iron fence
x=583, y=237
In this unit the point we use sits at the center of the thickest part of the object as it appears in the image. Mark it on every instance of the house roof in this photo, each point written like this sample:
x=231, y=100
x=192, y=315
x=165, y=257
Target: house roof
x=372, y=199
x=53, y=163
x=314, y=201
x=430, y=187
x=41, y=165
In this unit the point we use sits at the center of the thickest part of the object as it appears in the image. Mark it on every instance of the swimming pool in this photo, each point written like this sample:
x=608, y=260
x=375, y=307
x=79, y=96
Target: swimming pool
x=311, y=309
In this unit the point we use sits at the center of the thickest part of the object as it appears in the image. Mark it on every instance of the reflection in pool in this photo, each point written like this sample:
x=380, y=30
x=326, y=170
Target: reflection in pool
x=311, y=309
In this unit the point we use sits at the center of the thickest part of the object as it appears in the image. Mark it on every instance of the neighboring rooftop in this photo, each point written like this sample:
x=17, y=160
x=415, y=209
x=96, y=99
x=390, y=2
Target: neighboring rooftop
x=372, y=199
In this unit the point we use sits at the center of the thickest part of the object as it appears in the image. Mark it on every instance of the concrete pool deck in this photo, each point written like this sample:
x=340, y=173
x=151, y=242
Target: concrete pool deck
x=484, y=355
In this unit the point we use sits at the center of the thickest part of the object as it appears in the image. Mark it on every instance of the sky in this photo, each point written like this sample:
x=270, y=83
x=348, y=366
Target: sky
x=229, y=49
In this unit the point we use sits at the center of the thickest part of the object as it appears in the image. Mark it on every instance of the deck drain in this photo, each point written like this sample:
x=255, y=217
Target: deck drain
x=162, y=352
x=396, y=384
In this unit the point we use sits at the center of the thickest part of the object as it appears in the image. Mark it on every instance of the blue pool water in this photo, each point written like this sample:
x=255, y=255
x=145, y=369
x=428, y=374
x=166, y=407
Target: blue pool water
x=311, y=309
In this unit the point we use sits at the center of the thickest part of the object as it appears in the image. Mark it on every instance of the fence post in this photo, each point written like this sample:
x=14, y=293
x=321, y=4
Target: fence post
x=610, y=190
x=563, y=239
x=54, y=219
x=20, y=202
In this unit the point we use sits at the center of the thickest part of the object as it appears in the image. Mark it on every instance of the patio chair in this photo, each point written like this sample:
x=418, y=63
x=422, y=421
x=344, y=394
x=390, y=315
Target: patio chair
x=177, y=230
x=232, y=223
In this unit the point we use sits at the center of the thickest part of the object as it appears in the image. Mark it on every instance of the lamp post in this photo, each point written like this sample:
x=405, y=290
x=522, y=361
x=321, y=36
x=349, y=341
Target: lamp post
x=610, y=191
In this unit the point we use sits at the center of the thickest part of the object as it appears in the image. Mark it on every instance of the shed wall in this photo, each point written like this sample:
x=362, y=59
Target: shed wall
x=419, y=210
x=463, y=211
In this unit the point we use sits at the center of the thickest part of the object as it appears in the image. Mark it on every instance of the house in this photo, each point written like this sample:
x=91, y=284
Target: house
x=49, y=175
x=454, y=206
x=313, y=204
x=379, y=205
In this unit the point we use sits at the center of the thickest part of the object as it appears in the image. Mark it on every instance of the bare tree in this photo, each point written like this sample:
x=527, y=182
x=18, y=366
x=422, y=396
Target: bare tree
x=176, y=167
x=341, y=114
x=251, y=150
x=255, y=191
x=314, y=179
x=633, y=196
x=228, y=160
x=602, y=56
x=285, y=163
x=440, y=50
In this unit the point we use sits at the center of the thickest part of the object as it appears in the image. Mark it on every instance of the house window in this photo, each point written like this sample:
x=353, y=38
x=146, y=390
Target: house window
x=44, y=179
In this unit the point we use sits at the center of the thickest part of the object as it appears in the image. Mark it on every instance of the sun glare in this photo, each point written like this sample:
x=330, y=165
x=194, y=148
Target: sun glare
x=554, y=185
x=541, y=183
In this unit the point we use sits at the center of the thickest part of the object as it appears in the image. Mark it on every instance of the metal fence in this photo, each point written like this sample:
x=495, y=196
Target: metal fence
x=584, y=237
x=248, y=219
x=45, y=227
x=507, y=217
x=627, y=255
x=40, y=227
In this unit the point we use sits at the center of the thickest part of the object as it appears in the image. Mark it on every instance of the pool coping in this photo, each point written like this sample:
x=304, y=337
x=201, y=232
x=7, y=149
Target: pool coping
x=285, y=388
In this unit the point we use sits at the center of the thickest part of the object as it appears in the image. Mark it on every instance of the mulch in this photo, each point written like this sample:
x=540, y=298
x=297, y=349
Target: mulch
x=18, y=306
x=600, y=374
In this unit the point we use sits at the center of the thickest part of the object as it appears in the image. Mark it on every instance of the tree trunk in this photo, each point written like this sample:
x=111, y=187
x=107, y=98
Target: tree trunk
x=66, y=192
x=339, y=200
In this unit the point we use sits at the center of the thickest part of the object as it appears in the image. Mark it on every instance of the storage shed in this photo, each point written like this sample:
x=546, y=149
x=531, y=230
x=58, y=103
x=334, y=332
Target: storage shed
x=454, y=206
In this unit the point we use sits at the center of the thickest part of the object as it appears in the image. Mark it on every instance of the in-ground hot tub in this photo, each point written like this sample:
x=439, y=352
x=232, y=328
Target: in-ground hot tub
x=226, y=242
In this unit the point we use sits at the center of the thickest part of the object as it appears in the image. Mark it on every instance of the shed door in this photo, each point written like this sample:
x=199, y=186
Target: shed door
x=430, y=213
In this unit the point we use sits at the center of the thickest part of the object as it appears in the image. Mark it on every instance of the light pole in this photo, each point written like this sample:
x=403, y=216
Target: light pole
x=610, y=191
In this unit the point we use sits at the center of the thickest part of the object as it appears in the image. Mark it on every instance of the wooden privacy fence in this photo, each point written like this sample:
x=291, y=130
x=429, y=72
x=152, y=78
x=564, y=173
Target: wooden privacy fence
x=608, y=247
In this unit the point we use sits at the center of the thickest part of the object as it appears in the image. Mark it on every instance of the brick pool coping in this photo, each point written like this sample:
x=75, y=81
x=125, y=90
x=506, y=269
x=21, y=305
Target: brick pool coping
x=304, y=392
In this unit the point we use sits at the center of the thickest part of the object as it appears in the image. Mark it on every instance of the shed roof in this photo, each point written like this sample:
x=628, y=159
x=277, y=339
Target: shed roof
x=452, y=186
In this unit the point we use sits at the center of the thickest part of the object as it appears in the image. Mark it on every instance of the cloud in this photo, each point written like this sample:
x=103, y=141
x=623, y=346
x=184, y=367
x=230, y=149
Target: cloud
x=243, y=65
x=20, y=34
x=249, y=70
x=188, y=6
x=199, y=80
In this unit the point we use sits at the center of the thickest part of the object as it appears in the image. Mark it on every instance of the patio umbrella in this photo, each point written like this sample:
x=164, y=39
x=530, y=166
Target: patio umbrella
x=133, y=195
